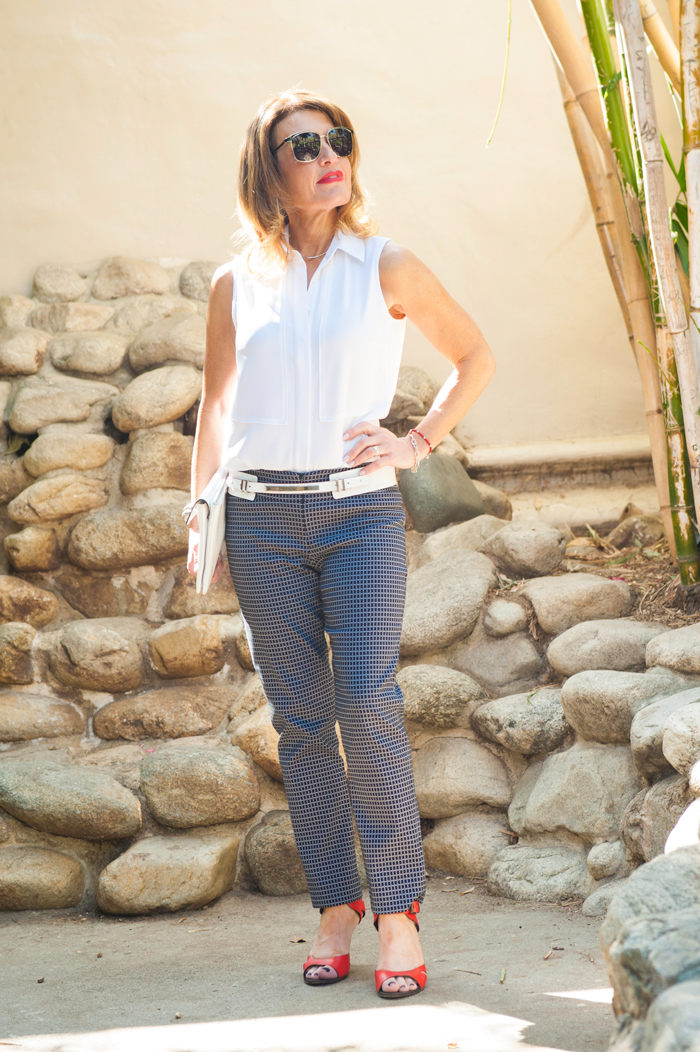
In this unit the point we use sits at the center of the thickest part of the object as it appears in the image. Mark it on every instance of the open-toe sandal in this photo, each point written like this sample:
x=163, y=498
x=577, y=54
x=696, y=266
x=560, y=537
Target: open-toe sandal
x=418, y=975
x=341, y=964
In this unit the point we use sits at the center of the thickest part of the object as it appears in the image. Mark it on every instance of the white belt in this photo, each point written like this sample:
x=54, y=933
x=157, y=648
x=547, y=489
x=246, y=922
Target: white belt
x=340, y=484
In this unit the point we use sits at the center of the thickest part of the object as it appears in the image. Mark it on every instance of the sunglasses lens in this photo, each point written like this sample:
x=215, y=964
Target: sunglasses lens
x=340, y=141
x=306, y=146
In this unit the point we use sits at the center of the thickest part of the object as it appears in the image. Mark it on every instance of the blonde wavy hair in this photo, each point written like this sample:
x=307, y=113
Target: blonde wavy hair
x=261, y=188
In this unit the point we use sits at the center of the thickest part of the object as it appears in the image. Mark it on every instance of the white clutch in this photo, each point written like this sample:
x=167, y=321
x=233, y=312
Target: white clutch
x=210, y=509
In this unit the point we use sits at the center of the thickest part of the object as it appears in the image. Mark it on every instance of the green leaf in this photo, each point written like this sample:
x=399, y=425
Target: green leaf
x=680, y=174
x=680, y=211
x=611, y=84
x=681, y=242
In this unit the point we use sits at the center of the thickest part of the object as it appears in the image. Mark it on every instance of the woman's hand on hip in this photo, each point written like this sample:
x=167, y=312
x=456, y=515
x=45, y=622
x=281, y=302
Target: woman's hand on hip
x=193, y=556
x=378, y=448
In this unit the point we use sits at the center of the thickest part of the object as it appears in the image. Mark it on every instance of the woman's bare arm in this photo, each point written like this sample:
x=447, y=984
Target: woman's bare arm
x=411, y=289
x=218, y=380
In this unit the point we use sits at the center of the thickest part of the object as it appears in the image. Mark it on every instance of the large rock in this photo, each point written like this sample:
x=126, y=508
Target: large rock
x=13, y=477
x=681, y=740
x=651, y=815
x=647, y=732
x=172, y=712
x=27, y=716
x=273, y=858
x=526, y=549
x=158, y=459
x=679, y=650
x=496, y=502
x=117, y=540
x=122, y=276
x=583, y=790
x=521, y=795
x=503, y=617
x=183, y=600
x=607, y=859
x=667, y=883
x=21, y=601
x=101, y=654
x=504, y=665
x=440, y=493
x=562, y=602
x=612, y=645
x=34, y=549
x=164, y=874
x=179, y=338
x=99, y=353
x=16, y=640
x=596, y=904
x=136, y=312
x=58, y=497
x=96, y=596
x=600, y=705
x=44, y=400
x=22, y=351
x=636, y=530
x=57, y=284
x=652, y=954
x=456, y=774
x=78, y=451
x=673, y=1021
x=469, y=535
x=34, y=878
x=192, y=647
x=414, y=394
x=256, y=736
x=71, y=317
x=466, y=844
x=195, y=280
x=68, y=800
x=193, y=786
x=15, y=310
x=157, y=397
x=444, y=599
x=435, y=695
x=540, y=873
x=526, y=723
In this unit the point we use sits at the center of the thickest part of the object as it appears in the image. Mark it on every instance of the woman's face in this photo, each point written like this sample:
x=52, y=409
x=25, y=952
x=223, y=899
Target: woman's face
x=315, y=186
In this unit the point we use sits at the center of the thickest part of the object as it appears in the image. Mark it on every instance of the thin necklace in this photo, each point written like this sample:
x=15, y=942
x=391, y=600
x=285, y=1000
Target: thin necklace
x=317, y=256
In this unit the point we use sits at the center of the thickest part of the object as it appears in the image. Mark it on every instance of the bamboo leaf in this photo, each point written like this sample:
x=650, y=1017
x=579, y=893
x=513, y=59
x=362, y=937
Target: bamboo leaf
x=681, y=212
x=681, y=242
x=669, y=160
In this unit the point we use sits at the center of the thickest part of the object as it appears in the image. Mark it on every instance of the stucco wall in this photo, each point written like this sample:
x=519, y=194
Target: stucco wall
x=121, y=127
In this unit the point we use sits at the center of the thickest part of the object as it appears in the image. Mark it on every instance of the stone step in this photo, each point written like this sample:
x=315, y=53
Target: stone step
x=574, y=508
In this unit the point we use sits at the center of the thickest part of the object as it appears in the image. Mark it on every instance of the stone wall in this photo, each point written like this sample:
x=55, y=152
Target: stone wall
x=552, y=733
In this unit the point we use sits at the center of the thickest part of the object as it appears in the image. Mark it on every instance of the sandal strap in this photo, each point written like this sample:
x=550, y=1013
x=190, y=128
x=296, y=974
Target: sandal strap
x=358, y=906
x=412, y=912
x=419, y=976
x=340, y=963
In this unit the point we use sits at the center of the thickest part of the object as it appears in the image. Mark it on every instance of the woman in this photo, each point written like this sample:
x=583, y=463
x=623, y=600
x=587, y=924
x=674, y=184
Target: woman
x=304, y=339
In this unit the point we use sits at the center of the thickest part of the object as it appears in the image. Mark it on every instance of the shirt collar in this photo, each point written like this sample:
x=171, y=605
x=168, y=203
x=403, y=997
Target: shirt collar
x=353, y=246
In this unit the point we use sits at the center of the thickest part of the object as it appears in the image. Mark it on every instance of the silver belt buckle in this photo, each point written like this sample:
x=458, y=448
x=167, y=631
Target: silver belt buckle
x=239, y=485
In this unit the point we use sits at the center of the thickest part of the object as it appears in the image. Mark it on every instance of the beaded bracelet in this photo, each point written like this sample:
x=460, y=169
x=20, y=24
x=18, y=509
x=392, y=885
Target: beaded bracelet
x=415, y=431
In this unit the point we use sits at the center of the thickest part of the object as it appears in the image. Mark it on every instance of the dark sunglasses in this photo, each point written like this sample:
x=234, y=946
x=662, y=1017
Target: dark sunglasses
x=306, y=146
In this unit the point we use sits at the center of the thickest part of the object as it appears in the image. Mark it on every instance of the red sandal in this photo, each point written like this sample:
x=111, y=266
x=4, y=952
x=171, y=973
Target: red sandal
x=340, y=963
x=419, y=974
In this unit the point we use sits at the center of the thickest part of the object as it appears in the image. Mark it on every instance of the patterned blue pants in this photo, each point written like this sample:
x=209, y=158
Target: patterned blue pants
x=303, y=564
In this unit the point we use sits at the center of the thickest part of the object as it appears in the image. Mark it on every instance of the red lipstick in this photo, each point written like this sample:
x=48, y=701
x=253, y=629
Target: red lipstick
x=332, y=177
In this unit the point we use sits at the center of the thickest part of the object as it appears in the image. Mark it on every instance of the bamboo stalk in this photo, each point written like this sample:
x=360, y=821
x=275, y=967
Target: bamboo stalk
x=660, y=39
x=596, y=180
x=674, y=7
x=690, y=63
x=678, y=473
x=578, y=72
x=628, y=15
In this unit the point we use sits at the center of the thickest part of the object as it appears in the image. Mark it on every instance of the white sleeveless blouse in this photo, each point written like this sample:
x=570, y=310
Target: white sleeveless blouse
x=310, y=362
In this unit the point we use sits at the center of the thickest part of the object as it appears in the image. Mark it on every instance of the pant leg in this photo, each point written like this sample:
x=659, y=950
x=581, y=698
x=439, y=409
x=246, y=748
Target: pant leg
x=278, y=588
x=363, y=590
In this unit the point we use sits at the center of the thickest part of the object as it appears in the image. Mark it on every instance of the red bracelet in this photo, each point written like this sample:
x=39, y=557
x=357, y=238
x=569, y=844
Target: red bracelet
x=421, y=435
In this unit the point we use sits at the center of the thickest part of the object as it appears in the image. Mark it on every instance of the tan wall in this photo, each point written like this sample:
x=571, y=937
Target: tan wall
x=121, y=125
